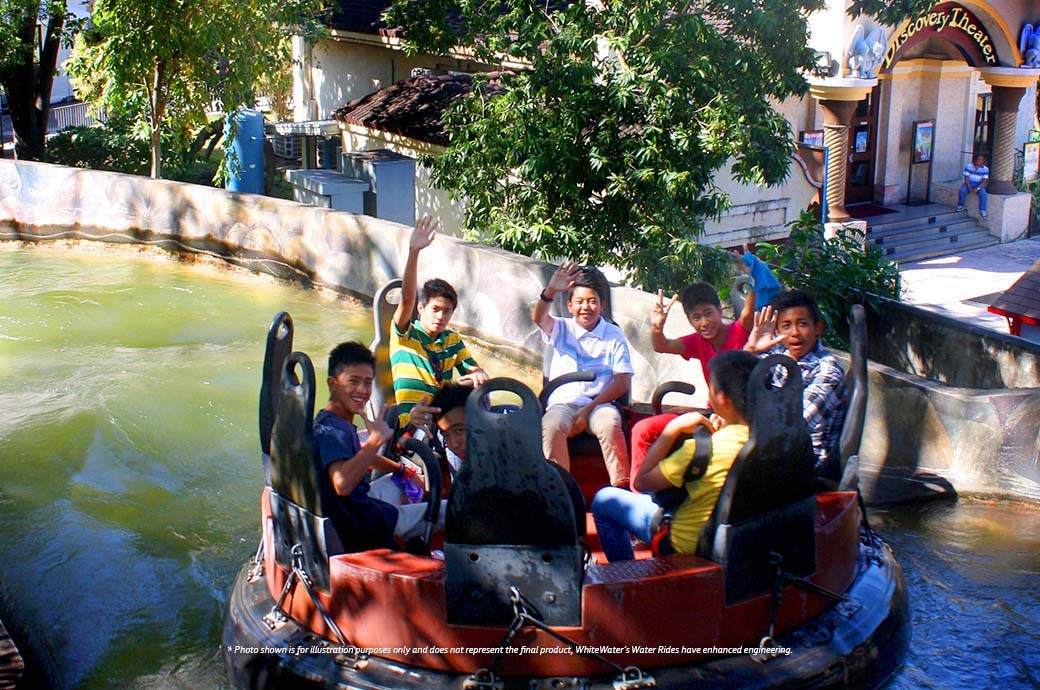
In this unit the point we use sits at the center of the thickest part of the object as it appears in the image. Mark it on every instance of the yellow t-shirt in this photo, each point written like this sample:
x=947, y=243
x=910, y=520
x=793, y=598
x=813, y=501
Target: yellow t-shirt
x=693, y=513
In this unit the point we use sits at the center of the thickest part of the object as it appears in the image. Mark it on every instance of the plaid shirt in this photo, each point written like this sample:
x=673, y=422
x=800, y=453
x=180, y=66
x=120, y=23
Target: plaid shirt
x=823, y=399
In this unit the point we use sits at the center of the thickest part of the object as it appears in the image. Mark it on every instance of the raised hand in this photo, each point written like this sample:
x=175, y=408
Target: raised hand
x=564, y=277
x=378, y=430
x=659, y=312
x=762, y=338
x=423, y=233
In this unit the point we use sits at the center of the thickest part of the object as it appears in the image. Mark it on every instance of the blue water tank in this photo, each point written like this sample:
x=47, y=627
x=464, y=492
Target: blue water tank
x=248, y=145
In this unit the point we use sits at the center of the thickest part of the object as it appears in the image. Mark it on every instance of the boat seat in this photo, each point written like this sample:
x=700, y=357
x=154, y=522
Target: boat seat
x=510, y=520
x=856, y=387
x=767, y=505
x=384, y=304
x=279, y=345
x=297, y=503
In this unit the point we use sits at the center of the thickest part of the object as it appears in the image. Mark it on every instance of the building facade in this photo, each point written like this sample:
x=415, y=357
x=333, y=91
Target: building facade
x=893, y=116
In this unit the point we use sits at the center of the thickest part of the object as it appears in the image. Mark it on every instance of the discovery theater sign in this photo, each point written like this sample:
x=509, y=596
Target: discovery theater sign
x=952, y=22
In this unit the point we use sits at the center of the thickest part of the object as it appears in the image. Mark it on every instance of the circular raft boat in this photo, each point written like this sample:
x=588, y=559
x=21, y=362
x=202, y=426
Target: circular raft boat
x=789, y=587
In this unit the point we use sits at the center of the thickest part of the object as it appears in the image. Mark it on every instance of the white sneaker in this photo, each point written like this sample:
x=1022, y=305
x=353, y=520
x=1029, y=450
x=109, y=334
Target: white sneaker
x=982, y=213
x=961, y=209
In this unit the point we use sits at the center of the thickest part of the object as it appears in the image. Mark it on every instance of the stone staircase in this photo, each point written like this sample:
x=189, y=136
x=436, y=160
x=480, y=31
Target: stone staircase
x=942, y=231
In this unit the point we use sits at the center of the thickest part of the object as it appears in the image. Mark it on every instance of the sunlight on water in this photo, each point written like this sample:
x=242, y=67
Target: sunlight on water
x=129, y=466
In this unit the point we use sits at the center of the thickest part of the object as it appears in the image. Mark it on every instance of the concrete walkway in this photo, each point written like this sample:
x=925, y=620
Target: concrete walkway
x=963, y=285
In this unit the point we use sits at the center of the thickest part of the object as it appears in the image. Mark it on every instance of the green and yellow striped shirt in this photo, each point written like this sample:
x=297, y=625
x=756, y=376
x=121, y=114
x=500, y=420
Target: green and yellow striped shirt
x=422, y=365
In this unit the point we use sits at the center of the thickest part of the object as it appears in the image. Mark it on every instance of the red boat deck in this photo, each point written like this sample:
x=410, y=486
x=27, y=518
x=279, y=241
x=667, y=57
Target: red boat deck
x=393, y=604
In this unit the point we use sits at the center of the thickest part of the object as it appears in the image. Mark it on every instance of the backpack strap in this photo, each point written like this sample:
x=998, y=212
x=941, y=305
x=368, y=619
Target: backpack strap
x=670, y=499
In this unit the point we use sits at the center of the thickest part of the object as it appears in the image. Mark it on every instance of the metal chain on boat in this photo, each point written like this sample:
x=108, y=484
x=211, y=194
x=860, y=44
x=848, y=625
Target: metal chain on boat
x=352, y=656
x=256, y=572
x=780, y=580
x=629, y=677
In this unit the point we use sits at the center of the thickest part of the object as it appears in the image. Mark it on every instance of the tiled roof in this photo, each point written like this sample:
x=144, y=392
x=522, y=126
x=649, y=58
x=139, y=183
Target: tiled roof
x=1022, y=298
x=359, y=16
x=413, y=107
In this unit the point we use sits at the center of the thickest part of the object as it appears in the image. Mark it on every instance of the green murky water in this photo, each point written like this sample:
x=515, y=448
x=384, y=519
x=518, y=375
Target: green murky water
x=130, y=478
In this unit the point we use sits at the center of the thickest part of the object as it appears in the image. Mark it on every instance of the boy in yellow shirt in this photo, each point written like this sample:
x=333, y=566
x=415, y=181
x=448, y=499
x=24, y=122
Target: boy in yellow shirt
x=620, y=514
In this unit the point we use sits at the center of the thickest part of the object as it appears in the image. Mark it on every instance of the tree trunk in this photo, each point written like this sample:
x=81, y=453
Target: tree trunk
x=28, y=84
x=158, y=113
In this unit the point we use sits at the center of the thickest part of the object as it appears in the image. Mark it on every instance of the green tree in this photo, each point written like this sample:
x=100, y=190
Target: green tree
x=165, y=63
x=28, y=59
x=607, y=146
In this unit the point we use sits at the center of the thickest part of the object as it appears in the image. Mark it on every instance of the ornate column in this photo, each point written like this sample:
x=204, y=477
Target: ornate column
x=1009, y=85
x=838, y=98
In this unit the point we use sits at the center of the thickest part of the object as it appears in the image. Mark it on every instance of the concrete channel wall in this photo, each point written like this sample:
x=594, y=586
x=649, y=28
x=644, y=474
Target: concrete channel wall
x=922, y=436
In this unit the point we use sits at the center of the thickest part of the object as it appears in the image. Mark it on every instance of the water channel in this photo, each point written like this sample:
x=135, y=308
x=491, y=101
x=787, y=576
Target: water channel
x=129, y=480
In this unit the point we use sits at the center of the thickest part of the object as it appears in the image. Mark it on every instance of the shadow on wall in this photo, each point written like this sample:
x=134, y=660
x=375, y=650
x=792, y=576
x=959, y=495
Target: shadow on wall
x=944, y=349
x=952, y=408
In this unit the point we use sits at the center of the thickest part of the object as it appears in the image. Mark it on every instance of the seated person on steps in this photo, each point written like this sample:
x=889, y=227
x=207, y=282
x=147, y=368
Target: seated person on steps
x=586, y=342
x=792, y=325
x=425, y=353
x=363, y=522
x=619, y=514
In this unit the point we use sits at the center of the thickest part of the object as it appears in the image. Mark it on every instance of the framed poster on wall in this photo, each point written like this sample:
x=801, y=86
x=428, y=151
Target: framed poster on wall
x=1030, y=160
x=922, y=141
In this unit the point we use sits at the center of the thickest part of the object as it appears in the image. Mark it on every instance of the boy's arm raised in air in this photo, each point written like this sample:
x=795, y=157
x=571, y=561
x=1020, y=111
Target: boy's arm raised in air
x=422, y=236
x=658, y=315
x=561, y=281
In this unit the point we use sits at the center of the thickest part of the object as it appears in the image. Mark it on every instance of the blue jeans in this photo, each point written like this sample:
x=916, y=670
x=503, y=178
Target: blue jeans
x=619, y=513
x=964, y=196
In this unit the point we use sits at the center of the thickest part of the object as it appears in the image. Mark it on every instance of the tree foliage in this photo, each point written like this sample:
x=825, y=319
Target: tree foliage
x=27, y=65
x=606, y=148
x=839, y=271
x=167, y=62
x=890, y=12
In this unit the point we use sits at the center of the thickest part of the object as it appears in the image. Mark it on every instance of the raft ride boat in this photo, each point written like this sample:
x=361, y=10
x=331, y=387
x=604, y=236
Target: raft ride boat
x=789, y=587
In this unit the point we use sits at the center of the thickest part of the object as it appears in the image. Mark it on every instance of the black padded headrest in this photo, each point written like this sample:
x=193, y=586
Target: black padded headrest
x=776, y=467
x=293, y=464
x=279, y=345
x=505, y=492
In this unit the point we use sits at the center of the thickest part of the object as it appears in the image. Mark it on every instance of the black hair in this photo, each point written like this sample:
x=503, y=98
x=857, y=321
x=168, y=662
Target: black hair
x=591, y=277
x=347, y=354
x=729, y=373
x=795, y=298
x=449, y=397
x=436, y=287
x=697, y=294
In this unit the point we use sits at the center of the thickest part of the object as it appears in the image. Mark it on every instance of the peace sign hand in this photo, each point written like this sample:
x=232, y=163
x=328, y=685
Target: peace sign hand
x=659, y=311
x=378, y=430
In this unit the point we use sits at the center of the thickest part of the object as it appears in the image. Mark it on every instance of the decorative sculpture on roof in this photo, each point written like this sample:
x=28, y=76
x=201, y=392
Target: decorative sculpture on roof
x=1029, y=45
x=865, y=52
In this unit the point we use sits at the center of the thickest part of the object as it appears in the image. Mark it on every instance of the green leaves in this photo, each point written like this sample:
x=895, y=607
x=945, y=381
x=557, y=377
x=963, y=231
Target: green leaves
x=163, y=63
x=838, y=272
x=607, y=147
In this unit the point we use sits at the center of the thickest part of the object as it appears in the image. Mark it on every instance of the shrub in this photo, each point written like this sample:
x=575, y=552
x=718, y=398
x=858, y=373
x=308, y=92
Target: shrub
x=838, y=272
x=116, y=146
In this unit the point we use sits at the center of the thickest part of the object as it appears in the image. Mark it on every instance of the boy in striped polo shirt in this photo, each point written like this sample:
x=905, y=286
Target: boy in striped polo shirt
x=975, y=178
x=425, y=353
